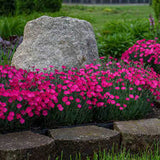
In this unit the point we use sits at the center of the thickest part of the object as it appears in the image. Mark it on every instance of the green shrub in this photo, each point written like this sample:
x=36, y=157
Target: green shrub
x=118, y=36
x=47, y=5
x=10, y=27
x=24, y=6
x=156, y=7
x=114, y=45
x=7, y=7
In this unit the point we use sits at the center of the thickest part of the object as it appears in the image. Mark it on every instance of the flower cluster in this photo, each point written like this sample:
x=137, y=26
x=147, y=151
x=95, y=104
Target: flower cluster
x=120, y=85
x=145, y=52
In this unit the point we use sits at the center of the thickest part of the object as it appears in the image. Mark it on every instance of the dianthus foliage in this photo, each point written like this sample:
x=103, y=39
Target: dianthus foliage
x=7, y=7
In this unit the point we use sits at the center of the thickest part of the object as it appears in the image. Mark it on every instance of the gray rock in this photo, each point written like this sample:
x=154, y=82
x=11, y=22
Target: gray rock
x=56, y=41
x=138, y=135
x=26, y=146
x=85, y=140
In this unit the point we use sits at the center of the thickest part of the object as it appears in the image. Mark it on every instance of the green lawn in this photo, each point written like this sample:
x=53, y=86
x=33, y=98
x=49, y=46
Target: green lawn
x=99, y=15
x=96, y=15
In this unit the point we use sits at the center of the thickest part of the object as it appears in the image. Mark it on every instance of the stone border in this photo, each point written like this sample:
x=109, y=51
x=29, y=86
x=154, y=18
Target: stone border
x=138, y=135
x=134, y=135
x=26, y=146
x=84, y=139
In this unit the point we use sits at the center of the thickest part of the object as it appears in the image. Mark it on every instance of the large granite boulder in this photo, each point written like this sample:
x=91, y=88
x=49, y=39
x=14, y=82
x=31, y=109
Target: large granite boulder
x=84, y=139
x=56, y=41
x=139, y=135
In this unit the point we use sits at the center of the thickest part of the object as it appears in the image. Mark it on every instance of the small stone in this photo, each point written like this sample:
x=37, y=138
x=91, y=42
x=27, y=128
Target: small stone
x=26, y=146
x=84, y=139
x=139, y=134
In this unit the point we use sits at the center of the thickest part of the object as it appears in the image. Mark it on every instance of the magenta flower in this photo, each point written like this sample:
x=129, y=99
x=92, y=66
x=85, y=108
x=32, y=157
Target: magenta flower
x=123, y=88
x=117, y=88
x=136, y=97
x=121, y=108
x=100, y=104
x=131, y=96
x=124, y=105
x=19, y=106
x=22, y=121
x=63, y=67
x=51, y=66
x=10, y=116
x=137, y=82
x=111, y=96
x=78, y=100
x=102, y=58
x=71, y=98
x=118, y=104
x=68, y=103
x=45, y=113
x=65, y=98
x=60, y=107
x=116, y=97
x=18, y=116
x=79, y=106
x=113, y=102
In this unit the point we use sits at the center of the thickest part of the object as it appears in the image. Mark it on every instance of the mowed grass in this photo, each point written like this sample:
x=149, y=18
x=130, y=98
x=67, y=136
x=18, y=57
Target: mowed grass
x=99, y=15
x=96, y=15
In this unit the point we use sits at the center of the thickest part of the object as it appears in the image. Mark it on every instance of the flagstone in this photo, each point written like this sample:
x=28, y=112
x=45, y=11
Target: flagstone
x=26, y=146
x=139, y=134
x=84, y=139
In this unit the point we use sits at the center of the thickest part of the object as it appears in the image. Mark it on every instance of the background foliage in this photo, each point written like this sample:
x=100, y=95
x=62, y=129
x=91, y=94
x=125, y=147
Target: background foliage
x=7, y=7
x=156, y=7
x=10, y=7
x=24, y=6
x=47, y=5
